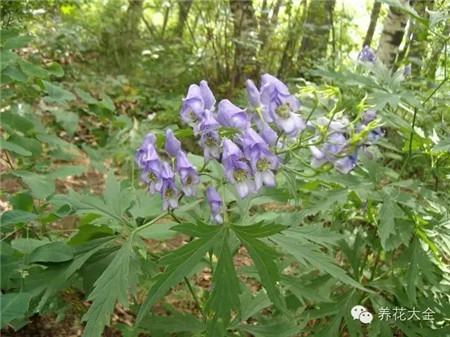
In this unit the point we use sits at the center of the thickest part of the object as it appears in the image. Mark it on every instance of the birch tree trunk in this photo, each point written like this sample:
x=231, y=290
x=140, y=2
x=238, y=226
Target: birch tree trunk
x=245, y=46
x=392, y=36
x=184, y=6
x=419, y=37
x=316, y=33
x=373, y=23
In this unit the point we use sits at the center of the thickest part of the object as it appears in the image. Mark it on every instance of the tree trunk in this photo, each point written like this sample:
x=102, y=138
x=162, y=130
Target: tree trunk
x=184, y=8
x=392, y=36
x=419, y=37
x=439, y=45
x=267, y=25
x=373, y=23
x=245, y=27
x=316, y=33
x=294, y=28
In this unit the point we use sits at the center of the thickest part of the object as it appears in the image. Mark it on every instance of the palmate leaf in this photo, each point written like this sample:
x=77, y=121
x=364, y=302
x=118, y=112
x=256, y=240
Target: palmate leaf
x=110, y=287
x=264, y=258
x=309, y=253
x=86, y=251
x=388, y=212
x=225, y=294
x=180, y=262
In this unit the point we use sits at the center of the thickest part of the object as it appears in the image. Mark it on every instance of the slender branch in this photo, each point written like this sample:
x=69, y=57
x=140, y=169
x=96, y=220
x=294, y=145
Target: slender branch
x=194, y=296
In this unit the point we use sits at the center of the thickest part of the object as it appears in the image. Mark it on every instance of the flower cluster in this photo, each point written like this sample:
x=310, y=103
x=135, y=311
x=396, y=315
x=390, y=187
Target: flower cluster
x=245, y=141
x=367, y=55
x=160, y=175
x=338, y=148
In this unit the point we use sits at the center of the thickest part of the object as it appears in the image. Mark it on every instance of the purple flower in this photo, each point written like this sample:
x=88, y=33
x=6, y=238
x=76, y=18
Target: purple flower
x=262, y=161
x=280, y=106
x=367, y=55
x=173, y=145
x=335, y=145
x=336, y=125
x=197, y=100
x=168, y=188
x=237, y=169
x=375, y=134
x=215, y=203
x=407, y=70
x=346, y=164
x=369, y=116
x=232, y=116
x=193, y=105
x=267, y=133
x=188, y=174
x=210, y=142
x=208, y=97
x=209, y=122
x=149, y=162
x=253, y=94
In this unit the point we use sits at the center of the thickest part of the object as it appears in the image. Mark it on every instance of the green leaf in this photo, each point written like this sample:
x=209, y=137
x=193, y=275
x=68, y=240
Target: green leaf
x=264, y=258
x=17, y=216
x=12, y=147
x=41, y=186
x=85, y=96
x=67, y=119
x=442, y=146
x=17, y=122
x=14, y=306
x=56, y=251
x=67, y=170
x=225, y=294
x=111, y=286
x=315, y=233
x=158, y=231
x=322, y=204
x=55, y=69
x=107, y=103
x=27, y=245
x=277, y=328
x=260, y=230
x=180, y=262
x=175, y=323
x=32, y=70
x=58, y=282
x=388, y=212
x=16, y=42
x=57, y=94
x=114, y=196
x=309, y=253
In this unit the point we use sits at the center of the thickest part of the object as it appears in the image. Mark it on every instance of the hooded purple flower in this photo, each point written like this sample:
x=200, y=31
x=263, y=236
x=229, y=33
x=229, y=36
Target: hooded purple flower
x=375, y=134
x=149, y=162
x=346, y=164
x=267, y=133
x=188, y=174
x=263, y=162
x=237, y=170
x=253, y=94
x=336, y=143
x=367, y=55
x=280, y=106
x=232, y=116
x=173, y=145
x=169, y=191
x=210, y=142
x=197, y=100
x=215, y=203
